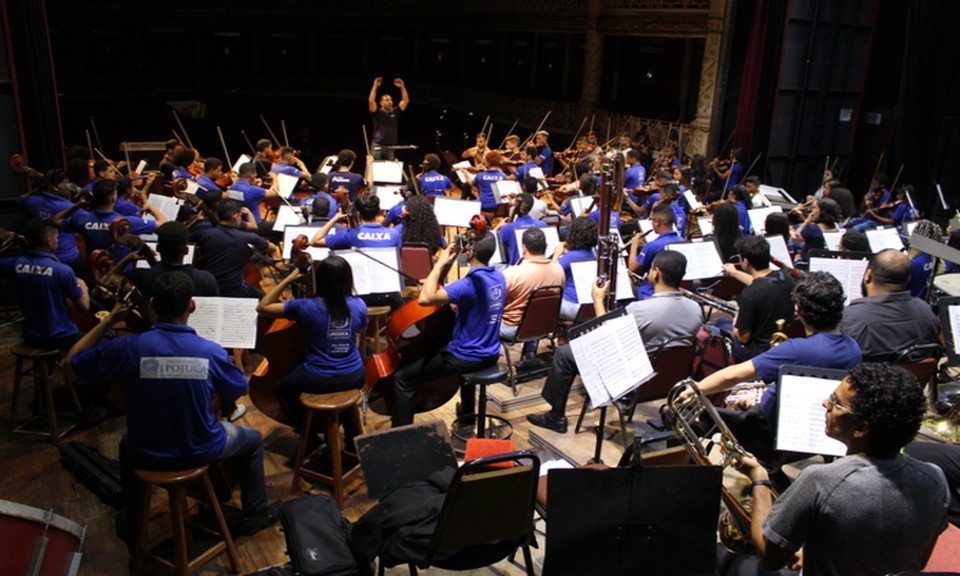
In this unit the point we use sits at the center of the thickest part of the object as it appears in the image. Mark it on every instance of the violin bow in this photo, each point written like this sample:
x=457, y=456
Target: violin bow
x=283, y=129
x=182, y=129
x=249, y=143
x=276, y=141
x=89, y=144
x=96, y=135
x=223, y=143
x=507, y=135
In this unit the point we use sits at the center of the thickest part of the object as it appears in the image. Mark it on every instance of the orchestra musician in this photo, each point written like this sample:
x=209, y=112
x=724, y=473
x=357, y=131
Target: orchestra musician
x=46, y=202
x=823, y=218
x=640, y=261
x=419, y=226
x=212, y=171
x=45, y=284
x=579, y=245
x=431, y=182
x=227, y=249
x=728, y=172
x=342, y=179
x=544, y=156
x=477, y=152
x=479, y=298
x=483, y=182
x=385, y=118
x=522, y=219
x=921, y=263
x=289, y=164
x=171, y=371
x=874, y=214
x=264, y=158
x=172, y=247
x=319, y=183
x=634, y=176
x=528, y=158
x=102, y=170
x=331, y=321
x=254, y=195
x=167, y=165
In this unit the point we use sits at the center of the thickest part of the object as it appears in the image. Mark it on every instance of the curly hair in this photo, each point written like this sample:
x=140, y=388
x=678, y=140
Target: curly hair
x=420, y=225
x=583, y=234
x=927, y=229
x=890, y=401
x=819, y=298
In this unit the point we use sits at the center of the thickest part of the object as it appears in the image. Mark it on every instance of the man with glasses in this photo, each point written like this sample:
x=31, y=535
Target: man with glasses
x=875, y=511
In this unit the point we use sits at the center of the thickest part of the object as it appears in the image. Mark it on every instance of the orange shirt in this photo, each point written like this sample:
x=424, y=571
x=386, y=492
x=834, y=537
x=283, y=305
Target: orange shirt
x=523, y=279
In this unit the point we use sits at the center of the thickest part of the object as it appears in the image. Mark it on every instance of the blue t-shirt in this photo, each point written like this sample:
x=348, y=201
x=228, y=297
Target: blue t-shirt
x=434, y=184
x=124, y=207
x=45, y=205
x=546, y=160
x=334, y=205
x=331, y=346
x=646, y=256
x=569, y=289
x=169, y=374
x=395, y=215
x=822, y=350
x=181, y=172
x=522, y=171
x=281, y=168
x=479, y=297
x=205, y=183
x=484, y=182
x=634, y=177
x=651, y=200
x=94, y=226
x=921, y=266
x=509, y=240
x=252, y=196
x=226, y=251
x=735, y=171
x=614, y=219
x=743, y=219
x=679, y=218
x=566, y=209
x=347, y=180
x=45, y=284
x=366, y=236
x=901, y=214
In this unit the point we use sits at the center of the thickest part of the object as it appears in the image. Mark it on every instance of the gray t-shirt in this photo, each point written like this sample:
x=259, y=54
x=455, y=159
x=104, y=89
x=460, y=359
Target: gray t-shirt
x=664, y=316
x=861, y=515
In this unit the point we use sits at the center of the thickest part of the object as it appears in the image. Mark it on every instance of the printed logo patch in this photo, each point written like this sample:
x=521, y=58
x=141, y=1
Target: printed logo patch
x=174, y=368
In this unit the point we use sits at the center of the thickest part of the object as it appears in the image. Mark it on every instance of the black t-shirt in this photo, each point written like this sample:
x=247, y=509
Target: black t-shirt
x=204, y=284
x=385, y=126
x=762, y=303
x=226, y=251
x=167, y=168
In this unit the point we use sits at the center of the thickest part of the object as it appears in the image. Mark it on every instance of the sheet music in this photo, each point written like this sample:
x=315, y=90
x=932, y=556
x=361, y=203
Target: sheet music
x=759, y=201
x=188, y=259
x=578, y=204
x=883, y=238
x=646, y=227
x=497, y=257
x=369, y=276
x=549, y=232
x=286, y=184
x=192, y=186
x=243, y=159
x=388, y=171
x=315, y=252
x=167, y=205
x=389, y=195
x=908, y=228
x=832, y=240
x=778, y=249
x=462, y=171
x=706, y=225
x=691, y=199
x=585, y=276
x=953, y=313
x=611, y=359
x=758, y=218
x=503, y=189
x=287, y=216
x=454, y=212
x=235, y=195
x=141, y=166
x=800, y=423
x=703, y=259
x=327, y=165
x=848, y=272
x=230, y=322
x=776, y=194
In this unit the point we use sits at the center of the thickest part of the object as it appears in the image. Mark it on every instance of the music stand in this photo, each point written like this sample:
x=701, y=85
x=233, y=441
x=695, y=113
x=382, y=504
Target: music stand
x=951, y=329
x=638, y=520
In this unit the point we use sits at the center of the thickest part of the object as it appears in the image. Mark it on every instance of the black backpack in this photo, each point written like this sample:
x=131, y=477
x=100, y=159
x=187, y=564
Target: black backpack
x=317, y=538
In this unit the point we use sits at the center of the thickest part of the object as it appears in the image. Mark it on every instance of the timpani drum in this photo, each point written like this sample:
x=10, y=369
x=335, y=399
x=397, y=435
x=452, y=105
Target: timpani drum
x=948, y=283
x=36, y=541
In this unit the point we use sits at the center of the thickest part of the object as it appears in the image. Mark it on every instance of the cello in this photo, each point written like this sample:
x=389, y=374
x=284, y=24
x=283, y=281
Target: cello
x=415, y=331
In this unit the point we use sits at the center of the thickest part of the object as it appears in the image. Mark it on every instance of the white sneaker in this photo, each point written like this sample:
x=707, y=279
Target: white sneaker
x=238, y=413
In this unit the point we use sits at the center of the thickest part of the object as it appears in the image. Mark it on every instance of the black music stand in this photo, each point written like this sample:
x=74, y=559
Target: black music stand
x=656, y=520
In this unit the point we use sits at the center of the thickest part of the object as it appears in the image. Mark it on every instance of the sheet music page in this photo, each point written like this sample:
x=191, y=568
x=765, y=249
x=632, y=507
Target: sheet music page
x=462, y=172
x=387, y=171
x=800, y=423
x=908, y=228
x=706, y=225
x=167, y=205
x=536, y=172
x=504, y=188
x=776, y=194
x=585, y=351
x=848, y=272
x=192, y=187
x=389, y=195
x=549, y=232
x=286, y=184
x=614, y=359
x=832, y=240
x=578, y=204
x=778, y=249
x=691, y=199
x=369, y=275
x=287, y=216
x=703, y=259
x=230, y=322
x=454, y=212
x=646, y=227
x=235, y=195
x=634, y=353
x=953, y=313
x=883, y=238
x=497, y=257
x=243, y=159
x=315, y=252
x=188, y=259
x=327, y=165
x=141, y=166
x=585, y=275
x=758, y=218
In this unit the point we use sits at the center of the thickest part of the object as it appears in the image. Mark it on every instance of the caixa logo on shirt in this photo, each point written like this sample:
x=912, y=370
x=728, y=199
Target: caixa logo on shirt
x=174, y=368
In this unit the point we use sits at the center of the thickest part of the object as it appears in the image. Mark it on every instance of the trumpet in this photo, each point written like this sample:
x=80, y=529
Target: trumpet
x=692, y=415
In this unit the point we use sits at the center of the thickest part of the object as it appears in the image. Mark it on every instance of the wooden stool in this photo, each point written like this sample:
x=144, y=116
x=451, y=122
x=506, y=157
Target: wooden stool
x=329, y=406
x=41, y=362
x=491, y=375
x=377, y=323
x=176, y=484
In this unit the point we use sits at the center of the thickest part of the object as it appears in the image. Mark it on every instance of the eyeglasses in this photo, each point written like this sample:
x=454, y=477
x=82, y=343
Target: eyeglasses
x=834, y=402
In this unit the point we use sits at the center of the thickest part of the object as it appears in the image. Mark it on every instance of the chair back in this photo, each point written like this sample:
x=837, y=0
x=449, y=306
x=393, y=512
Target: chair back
x=486, y=505
x=415, y=261
x=920, y=360
x=673, y=363
x=541, y=314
